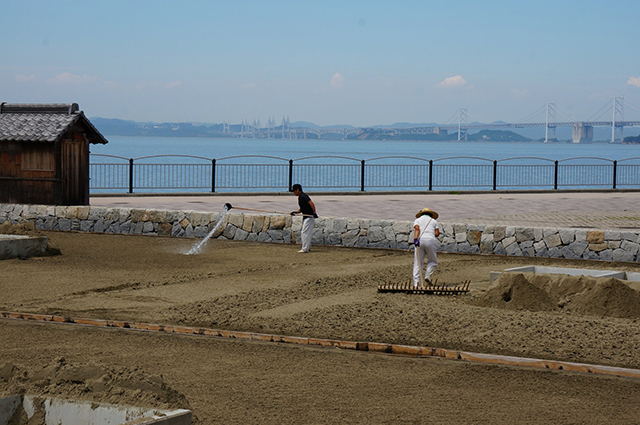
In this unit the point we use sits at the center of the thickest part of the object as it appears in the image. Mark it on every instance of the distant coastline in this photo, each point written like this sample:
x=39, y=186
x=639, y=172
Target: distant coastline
x=118, y=127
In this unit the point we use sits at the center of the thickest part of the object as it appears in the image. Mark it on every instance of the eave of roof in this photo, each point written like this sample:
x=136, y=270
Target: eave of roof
x=44, y=123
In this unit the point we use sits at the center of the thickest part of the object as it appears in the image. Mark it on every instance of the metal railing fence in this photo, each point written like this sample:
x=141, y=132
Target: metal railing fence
x=179, y=173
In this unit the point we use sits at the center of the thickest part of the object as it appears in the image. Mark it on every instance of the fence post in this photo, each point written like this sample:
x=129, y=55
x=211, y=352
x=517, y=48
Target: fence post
x=213, y=175
x=615, y=172
x=290, y=174
x=555, y=175
x=430, y=174
x=362, y=176
x=130, y=175
x=495, y=173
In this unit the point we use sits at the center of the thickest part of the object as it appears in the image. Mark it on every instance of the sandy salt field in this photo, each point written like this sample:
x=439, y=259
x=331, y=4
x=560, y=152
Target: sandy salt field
x=329, y=293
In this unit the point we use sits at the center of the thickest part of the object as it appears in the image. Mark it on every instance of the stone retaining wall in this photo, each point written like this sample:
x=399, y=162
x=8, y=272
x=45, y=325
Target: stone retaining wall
x=603, y=245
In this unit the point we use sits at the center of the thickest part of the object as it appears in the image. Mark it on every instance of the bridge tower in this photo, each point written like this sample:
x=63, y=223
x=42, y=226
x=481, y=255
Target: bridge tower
x=225, y=127
x=618, y=116
x=551, y=117
x=462, y=122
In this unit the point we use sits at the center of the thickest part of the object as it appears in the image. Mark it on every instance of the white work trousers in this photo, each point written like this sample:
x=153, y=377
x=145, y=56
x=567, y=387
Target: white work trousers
x=307, y=233
x=427, y=248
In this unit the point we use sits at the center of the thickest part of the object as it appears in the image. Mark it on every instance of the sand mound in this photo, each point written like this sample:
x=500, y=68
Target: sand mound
x=611, y=298
x=513, y=291
x=93, y=382
x=584, y=295
x=25, y=228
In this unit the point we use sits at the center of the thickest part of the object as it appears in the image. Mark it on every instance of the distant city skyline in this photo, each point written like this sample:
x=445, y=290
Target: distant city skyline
x=356, y=63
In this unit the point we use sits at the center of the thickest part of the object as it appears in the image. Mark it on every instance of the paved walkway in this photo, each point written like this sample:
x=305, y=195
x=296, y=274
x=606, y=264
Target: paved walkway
x=600, y=210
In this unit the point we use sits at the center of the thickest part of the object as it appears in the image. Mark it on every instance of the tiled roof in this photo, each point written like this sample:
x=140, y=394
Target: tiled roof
x=44, y=123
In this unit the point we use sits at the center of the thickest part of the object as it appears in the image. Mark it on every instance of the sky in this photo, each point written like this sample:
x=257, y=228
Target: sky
x=346, y=62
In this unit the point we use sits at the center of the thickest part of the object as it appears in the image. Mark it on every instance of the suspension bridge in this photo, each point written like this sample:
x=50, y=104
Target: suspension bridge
x=552, y=116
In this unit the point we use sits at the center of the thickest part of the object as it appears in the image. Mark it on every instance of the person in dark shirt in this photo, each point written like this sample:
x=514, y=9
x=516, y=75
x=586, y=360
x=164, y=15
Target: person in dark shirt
x=308, y=211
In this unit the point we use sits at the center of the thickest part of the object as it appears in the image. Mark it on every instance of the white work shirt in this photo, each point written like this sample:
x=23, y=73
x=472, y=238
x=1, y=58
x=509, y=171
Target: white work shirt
x=427, y=225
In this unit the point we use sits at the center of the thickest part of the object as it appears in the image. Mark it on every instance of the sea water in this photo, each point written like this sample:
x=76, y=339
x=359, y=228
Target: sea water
x=213, y=148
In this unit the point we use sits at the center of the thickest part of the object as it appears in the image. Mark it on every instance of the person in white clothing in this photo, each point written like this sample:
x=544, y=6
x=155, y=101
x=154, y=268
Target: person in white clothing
x=425, y=233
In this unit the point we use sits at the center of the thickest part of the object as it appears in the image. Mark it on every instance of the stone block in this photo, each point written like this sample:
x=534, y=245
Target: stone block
x=552, y=240
x=567, y=236
x=184, y=222
x=597, y=247
x=486, y=247
x=548, y=231
x=164, y=229
x=241, y=235
x=622, y=255
x=333, y=238
x=461, y=237
x=137, y=228
x=578, y=247
x=509, y=231
x=230, y=231
x=508, y=241
x=631, y=247
x=99, y=226
x=629, y=236
x=264, y=237
x=614, y=244
x=375, y=234
x=86, y=225
x=499, y=233
x=612, y=235
x=267, y=223
x=64, y=224
x=337, y=225
x=400, y=227
x=499, y=249
x=148, y=228
x=606, y=255
x=160, y=216
x=513, y=249
x=474, y=237
x=555, y=252
x=236, y=220
x=277, y=222
x=595, y=236
x=539, y=246
x=197, y=218
x=537, y=234
x=581, y=235
x=350, y=237
x=466, y=248
x=524, y=234
x=136, y=215
x=543, y=253
x=252, y=223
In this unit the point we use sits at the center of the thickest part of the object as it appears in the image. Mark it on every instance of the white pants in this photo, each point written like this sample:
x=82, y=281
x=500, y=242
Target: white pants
x=307, y=232
x=427, y=248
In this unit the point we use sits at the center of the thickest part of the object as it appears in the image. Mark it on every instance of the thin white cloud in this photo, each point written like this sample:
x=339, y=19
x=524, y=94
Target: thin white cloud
x=69, y=78
x=24, y=78
x=337, y=81
x=174, y=84
x=634, y=81
x=452, y=82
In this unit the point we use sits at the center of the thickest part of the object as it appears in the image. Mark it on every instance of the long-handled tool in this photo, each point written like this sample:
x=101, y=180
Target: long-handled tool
x=228, y=206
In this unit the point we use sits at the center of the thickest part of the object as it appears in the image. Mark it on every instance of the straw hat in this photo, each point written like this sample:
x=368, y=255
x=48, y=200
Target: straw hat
x=427, y=211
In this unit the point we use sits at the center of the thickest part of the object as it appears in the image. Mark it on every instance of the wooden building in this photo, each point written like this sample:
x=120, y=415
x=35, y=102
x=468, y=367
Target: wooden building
x=44, y=154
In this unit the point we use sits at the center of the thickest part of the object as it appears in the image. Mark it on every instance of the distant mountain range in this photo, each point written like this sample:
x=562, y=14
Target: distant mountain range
x=118, y=127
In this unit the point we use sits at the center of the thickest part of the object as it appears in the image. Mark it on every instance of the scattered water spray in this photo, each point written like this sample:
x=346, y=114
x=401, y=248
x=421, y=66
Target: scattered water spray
x=197, y=248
